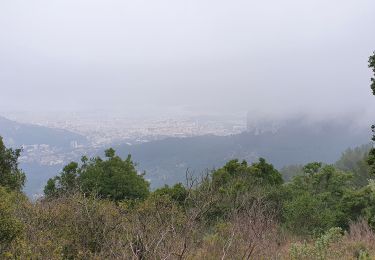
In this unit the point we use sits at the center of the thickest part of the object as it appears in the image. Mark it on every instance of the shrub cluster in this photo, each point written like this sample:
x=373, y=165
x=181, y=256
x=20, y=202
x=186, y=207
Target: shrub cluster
x=103, y=209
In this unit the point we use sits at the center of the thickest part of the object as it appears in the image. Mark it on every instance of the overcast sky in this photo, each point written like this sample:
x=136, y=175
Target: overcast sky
x=193, y=55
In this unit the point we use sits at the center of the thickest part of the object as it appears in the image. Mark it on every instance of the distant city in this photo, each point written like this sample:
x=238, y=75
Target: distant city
x=103, y=130
x=166, y=146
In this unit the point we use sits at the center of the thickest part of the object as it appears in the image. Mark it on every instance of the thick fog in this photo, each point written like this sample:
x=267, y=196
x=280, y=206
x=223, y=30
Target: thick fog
x=203, y=56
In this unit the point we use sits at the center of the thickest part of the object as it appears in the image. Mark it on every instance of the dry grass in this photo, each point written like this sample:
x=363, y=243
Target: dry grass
x=77, y=227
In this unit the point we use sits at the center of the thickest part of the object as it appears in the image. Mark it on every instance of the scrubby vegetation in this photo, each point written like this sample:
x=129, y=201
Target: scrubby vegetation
x=104, y=209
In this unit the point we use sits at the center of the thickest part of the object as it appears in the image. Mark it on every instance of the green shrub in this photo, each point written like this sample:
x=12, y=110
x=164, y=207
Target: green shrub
x=320, y=249
x=11, y=227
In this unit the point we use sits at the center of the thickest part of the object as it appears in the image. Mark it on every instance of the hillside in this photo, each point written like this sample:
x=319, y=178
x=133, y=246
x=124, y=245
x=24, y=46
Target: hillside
x=295, y=142
x=166, y=161
x=45, y=150
x=18, y=134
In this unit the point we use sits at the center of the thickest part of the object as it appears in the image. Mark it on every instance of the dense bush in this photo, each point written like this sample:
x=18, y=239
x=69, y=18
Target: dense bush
x=113, y=179
x=11, y=228
x=314, y=201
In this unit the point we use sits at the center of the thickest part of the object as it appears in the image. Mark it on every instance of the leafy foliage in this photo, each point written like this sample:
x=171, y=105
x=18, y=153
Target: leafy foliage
x=371, y=158
x=10, y=175
x=314, y=200
x=354, y=160
x=238, y=184
x=10, y=226
x=371, y=64
x=177, y=193
x=236, y=173
x=320, y=249
x=114, y=179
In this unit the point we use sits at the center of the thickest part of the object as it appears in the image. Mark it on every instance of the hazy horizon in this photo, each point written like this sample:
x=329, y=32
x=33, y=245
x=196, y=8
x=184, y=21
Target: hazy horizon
x=179, y=57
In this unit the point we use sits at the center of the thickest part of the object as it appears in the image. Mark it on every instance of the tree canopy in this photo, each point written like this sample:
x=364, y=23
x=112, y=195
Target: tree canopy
x=11, y=176
x=113, y=178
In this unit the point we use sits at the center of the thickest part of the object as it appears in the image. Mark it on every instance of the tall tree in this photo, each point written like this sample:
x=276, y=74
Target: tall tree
x=371, y=158
x=371, y=65
x=11, y=176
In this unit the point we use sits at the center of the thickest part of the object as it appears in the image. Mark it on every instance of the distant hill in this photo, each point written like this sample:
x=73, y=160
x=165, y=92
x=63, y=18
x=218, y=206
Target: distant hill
x=39, y=162
x=294, y=142
x=166, y=161
x=18, y=134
